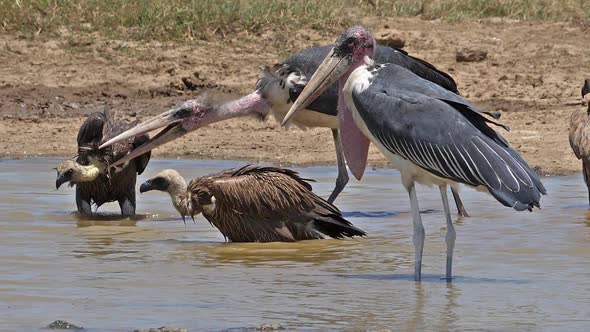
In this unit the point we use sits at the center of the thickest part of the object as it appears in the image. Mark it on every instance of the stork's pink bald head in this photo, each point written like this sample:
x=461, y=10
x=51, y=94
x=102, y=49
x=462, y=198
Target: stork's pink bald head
x=356, y=43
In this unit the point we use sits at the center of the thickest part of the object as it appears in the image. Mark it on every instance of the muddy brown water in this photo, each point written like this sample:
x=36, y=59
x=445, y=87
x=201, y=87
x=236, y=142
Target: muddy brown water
x=514, y=271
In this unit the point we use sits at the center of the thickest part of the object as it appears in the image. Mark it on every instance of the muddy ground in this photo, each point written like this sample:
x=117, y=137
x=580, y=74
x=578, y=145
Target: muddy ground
x=533, y=75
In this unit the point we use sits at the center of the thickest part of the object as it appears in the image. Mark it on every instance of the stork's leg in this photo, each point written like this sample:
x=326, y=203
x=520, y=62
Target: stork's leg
x=83, y=202
x=127, y=207
x=418, y=237
x=451, y=234
x=460, y=208
x=342, y=178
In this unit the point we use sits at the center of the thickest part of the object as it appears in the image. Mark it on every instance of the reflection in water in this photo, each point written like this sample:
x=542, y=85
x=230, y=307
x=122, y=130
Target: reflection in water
x=109, y=273
x=416, y=319
x=277, y=254
x=449, y=316
x=107, y=219
x=588, y=218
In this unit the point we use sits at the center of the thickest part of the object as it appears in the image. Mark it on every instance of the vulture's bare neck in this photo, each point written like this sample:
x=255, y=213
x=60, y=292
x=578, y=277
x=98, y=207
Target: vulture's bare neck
x=178, y=194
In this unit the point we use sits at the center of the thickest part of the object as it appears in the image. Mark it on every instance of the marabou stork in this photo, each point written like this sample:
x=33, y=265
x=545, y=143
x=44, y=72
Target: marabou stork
x=255, y=204
x=431, y=135
x=281, y=85
x=94, y=183
x=276, y=89
x=580, y=135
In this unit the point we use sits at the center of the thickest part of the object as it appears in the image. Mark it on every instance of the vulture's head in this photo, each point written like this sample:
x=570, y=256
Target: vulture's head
x=71, y=171
x=168, y=180
x=586, y=89
x=171, y=182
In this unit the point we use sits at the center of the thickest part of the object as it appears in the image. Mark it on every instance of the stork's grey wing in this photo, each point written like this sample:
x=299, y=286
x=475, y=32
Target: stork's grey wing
x=422, y=68
x=436, y=136
x=406, y=79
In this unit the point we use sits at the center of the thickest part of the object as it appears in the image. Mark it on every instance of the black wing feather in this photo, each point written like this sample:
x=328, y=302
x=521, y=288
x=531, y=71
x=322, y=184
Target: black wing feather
x=90, y=136
x=422, y=68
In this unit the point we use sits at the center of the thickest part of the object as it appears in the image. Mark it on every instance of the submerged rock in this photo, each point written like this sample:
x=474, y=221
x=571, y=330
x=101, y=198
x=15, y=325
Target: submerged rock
x=162, y=329
x=269, y=327
x=63, y=325
x=260, y=327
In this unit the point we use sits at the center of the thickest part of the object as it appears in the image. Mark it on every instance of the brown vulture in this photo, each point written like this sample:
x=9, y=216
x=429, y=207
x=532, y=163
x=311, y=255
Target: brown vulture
x=255, y=204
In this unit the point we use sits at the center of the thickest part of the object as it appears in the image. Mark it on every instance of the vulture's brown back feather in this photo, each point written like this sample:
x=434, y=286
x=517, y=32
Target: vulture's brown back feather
x=262, y=204
x=579, y=133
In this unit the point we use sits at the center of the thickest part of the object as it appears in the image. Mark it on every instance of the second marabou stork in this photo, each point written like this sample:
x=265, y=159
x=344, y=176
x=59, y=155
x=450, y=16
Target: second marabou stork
x=431, y=135
x=276, y=90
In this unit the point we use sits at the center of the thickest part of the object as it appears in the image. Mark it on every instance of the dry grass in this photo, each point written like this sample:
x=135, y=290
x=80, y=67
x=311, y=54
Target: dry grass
x=189, y=19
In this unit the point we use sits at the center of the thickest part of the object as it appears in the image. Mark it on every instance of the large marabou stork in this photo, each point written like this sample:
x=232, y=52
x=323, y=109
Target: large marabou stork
x=431, y=135
x=255, y=204
x=281, y=85
x=579, y=135
x=89, y=172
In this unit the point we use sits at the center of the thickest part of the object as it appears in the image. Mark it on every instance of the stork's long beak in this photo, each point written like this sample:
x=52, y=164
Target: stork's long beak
x=171, y=120
x=328, y=72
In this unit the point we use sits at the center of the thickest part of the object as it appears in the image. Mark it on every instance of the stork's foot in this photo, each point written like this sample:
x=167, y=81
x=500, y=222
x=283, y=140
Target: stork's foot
x=462, y=213
x=459, y=203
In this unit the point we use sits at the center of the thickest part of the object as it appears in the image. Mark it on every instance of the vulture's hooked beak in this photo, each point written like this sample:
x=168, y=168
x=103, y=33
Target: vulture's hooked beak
x=62, y=178
x=329, y=71
x=171, y=120
x=146, y=186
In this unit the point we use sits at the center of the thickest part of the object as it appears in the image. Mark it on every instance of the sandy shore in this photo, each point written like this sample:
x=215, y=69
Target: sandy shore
x=532, y=75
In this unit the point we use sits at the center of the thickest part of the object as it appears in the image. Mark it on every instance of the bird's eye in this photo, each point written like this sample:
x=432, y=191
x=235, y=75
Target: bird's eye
x=69, y=171
x=350, y=40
